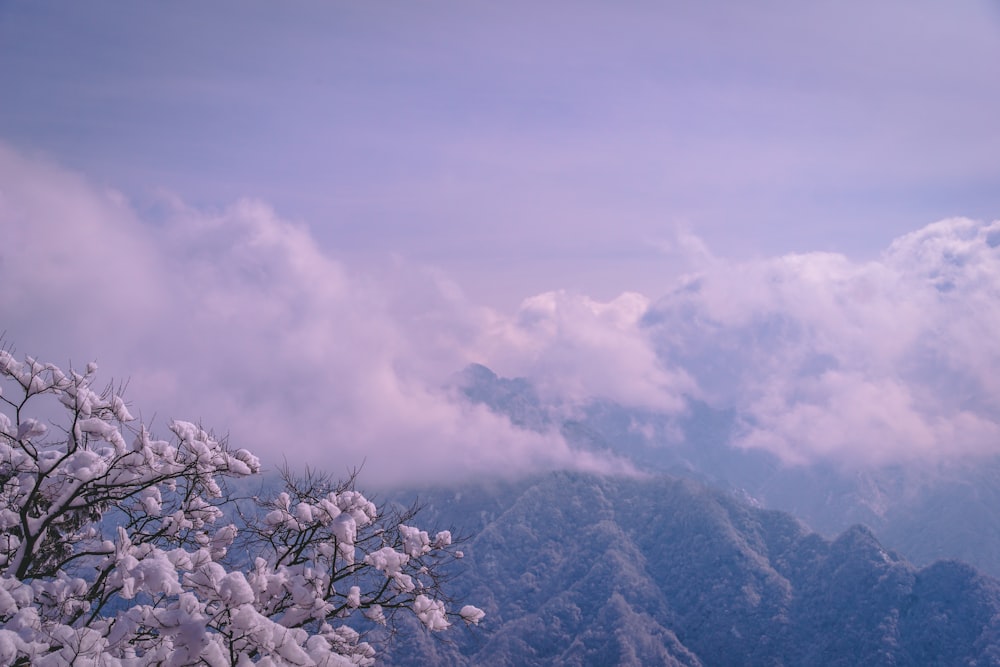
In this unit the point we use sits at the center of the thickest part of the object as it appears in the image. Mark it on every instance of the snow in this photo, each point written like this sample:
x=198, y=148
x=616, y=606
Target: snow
x=103, y=430
x=10, y=646
x=403, y=582
x=431, y=613
x=120, y=411
x=151, y=501
x=387, y=560
x=472, y=614
x=375, y=614
x=234, y=589
x=345, y=528
x=172, y=599
x=304, y=513
x=415, y=541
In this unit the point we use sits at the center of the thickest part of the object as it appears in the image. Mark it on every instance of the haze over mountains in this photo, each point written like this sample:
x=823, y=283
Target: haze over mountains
x=706, y=555
x=926, y=512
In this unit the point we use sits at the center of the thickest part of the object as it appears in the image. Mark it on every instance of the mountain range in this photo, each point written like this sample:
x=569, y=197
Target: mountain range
x=575, y=569
x=925, y=511
x=713, y=554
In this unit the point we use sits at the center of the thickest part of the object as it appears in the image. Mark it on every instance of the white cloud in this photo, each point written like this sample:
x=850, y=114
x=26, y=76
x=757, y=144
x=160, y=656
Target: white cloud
x=576, y=348
x=238, y=318
x=860, y=362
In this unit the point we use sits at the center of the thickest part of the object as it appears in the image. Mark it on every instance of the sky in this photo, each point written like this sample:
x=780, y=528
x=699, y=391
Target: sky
x=298, y=222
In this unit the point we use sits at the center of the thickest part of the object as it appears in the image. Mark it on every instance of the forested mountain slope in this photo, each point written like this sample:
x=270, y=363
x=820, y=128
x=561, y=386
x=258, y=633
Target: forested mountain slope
x=949, y=510
x=579, y=570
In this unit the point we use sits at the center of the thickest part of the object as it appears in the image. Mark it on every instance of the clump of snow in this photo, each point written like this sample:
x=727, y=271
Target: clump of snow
x=234, y=589
x=345, y=528
x=431, y=613
x=415, y=541
x=387, y=560
x=471, y=614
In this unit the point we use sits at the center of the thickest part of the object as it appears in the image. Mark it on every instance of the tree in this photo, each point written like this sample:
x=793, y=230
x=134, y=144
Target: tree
x=118, y=548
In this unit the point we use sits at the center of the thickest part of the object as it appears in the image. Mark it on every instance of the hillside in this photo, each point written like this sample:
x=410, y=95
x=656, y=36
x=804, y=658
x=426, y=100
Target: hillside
x=576, y=570
x=924, y=512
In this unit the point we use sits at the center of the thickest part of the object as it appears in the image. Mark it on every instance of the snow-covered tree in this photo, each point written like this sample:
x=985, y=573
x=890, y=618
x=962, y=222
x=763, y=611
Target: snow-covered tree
x=118, y=548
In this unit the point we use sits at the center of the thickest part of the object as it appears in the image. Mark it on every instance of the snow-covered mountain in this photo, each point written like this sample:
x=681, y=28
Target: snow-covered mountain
x=580, y=570
x=926, y=513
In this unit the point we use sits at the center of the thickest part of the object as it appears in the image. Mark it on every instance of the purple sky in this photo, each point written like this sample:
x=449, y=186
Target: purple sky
x=316, y=214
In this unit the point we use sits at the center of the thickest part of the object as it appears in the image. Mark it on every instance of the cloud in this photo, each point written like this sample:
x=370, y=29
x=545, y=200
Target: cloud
x=871, y=362
x=239, y=318
x=236, y=317
x=576, y=348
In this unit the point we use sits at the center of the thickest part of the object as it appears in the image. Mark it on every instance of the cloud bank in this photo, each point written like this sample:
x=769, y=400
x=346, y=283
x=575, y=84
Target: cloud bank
x=236, y=317
x=239, y=318
x=575, y=348
x=872, y=362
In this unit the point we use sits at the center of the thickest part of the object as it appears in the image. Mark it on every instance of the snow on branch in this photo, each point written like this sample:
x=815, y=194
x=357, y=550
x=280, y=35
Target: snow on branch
x=121, y=549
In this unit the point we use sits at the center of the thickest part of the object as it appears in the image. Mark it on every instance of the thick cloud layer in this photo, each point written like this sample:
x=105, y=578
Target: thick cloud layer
x=239, y=318
x=575, y=348
x=860, y=362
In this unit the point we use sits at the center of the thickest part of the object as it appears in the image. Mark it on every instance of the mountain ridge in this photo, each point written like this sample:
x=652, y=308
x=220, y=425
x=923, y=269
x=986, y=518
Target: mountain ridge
x=574, y=569
x=927, y=513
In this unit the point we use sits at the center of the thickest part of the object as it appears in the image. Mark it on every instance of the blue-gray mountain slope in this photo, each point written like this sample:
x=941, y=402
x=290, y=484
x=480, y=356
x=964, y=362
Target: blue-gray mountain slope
x=926, y=513
x=578, y=570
